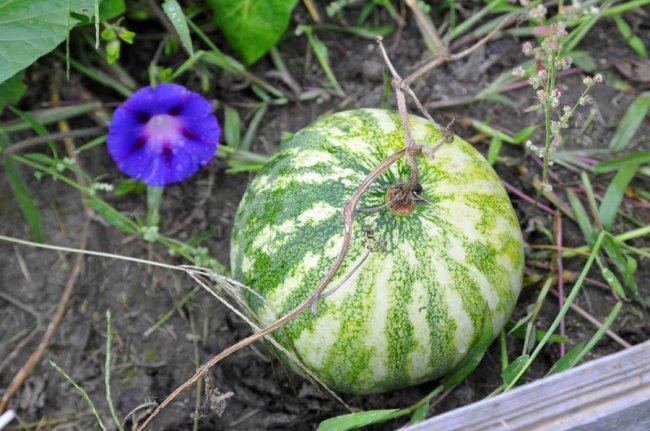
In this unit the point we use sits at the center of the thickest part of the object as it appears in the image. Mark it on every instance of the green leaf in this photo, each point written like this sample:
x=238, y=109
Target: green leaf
x=524, y=133
x=253, y=126
x=632, y=159
x=38, y=127
x=614, y=252
x=30, y=29
x=42, y=158
x=633, y=40
x=177, y=18
x=420, y=414
x=187, y=64
x=576, y=354
x=631, y=121
x=239, y=166
x=11, y=91
x=493, y=151
x=581, y=215
x=222, y=60
x=81, y=391
x=511, y=371
x=112, y=216
x=483, y=127
x=613, y=282
x=252, y=27
x=611, y=317
x=498, y=98
x=232, y=128
x=24, y=198
x=129, y=185
x=614, y=195
x=567, y=361
x=356, y=420
x=584, y=60
x=580, y=31
x=365, y=32
x=109, y=9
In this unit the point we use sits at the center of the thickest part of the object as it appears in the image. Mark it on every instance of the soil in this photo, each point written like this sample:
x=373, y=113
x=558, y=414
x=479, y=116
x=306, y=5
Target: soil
x=266, y=395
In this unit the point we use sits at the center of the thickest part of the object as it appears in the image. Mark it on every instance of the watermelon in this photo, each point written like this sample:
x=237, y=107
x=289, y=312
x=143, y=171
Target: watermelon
x=411, y=309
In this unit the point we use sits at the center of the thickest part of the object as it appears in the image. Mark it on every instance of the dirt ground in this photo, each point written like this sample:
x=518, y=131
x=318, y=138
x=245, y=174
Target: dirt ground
x=266, y=395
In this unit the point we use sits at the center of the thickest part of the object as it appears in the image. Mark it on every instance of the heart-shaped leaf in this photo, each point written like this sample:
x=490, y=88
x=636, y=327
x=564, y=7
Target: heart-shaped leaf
x=32, y=28
x=252, y=27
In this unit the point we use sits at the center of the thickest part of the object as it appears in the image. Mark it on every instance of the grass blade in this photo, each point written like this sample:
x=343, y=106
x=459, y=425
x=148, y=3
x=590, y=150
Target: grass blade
x=99, y=76
x=187, y=64
x=112, y=216
x=493, y=151
x=513, y=369
x=25, y=199
x=322, y=55
x=83, y=393
x=614, y=195
x=574, y=38
x=581, y=215
x=218, y=58
x=634, y=159
x=630, y=122
x=567, y=361
x=232, y=128
x=177, y=18
x=614, y=252
x=611, y=279
x=253, y=126
x=48, y=116
x=601, y=331
x=38, y=127
x=632, y=39
x=468, y=23
x=356, y=420
x=365, y=32
x=420, y=414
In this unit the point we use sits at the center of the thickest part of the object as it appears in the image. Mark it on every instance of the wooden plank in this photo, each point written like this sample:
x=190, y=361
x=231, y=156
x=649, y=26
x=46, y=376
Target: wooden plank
x=610, y=393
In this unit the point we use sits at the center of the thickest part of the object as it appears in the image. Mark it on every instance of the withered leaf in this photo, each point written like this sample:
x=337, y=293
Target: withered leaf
x=637, y=70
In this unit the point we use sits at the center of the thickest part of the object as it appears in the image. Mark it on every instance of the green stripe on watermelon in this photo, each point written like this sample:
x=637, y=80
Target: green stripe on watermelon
x=411, y=313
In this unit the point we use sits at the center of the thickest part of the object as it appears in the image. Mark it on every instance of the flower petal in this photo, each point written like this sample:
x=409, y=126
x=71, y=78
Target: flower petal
x=160, y=100
x=163, y=135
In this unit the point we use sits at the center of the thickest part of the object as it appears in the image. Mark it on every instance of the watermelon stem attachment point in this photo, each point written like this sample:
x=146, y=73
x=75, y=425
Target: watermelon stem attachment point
x=401, y=200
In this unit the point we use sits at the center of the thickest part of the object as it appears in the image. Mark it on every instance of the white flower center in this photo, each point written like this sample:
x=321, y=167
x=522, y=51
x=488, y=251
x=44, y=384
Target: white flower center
x=163, y=129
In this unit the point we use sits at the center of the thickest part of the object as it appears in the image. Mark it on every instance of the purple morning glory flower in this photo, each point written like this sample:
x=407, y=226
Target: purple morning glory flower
x=163, y=135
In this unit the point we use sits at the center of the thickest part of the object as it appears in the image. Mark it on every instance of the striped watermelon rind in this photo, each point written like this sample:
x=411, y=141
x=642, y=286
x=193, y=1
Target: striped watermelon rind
x=411, y=313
